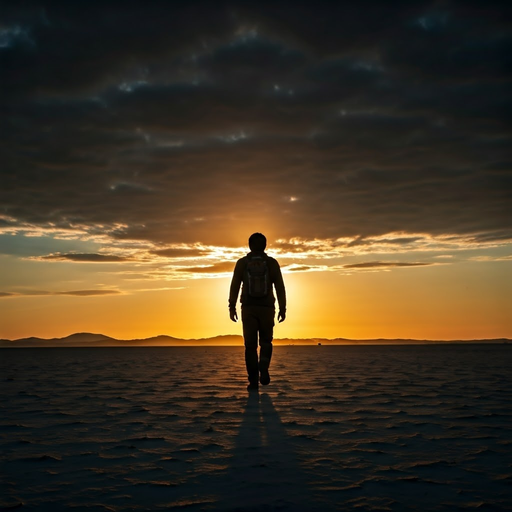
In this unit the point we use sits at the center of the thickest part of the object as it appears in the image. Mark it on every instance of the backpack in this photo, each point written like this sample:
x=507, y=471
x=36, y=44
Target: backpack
x=258, y=279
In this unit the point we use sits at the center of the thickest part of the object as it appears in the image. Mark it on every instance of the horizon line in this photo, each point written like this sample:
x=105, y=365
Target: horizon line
x=97, y=339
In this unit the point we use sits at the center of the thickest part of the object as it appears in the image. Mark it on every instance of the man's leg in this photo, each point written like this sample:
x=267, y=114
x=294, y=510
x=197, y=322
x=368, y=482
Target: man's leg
x=266, y=318
x=250, y=328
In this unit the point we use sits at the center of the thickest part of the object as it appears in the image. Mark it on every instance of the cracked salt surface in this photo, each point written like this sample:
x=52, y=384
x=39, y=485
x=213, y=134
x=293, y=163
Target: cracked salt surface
x=339, y=428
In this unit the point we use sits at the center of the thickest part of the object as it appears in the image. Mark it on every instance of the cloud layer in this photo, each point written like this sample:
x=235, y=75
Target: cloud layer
x=76, y=293
x=180, y=123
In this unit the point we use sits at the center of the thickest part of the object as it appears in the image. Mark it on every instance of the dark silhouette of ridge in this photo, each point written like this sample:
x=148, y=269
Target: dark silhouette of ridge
x=84, y=339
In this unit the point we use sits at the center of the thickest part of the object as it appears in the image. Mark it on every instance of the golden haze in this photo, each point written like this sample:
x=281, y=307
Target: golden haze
x=445, y=302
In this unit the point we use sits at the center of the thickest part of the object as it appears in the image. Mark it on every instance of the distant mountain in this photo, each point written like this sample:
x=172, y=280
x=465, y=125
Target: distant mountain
x=85, y=339
x=74, y=340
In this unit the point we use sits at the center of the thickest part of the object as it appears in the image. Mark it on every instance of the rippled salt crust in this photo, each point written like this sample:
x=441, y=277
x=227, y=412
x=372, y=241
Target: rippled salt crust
x=339, y=428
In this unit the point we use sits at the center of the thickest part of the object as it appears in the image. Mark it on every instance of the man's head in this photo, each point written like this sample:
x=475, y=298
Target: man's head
x=257, y=242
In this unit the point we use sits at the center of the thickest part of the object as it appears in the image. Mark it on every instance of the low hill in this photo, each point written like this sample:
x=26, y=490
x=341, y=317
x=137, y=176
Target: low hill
x=85, y=339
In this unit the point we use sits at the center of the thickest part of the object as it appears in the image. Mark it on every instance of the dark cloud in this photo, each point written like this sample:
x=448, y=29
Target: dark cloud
x=88, y=293
x=300, y=268
x=77, y=293
x=384, y=240
x=177, y=252
x=72, y=48
x=290, y=247
x=386, y=264
x=209, y=269
x=93, y=258
x=180, y=122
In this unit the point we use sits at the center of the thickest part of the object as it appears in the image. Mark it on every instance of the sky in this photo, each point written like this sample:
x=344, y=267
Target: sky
x=141, y=143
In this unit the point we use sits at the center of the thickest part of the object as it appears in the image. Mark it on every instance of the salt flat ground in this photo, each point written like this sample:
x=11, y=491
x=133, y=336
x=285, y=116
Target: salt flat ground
x=339, y=428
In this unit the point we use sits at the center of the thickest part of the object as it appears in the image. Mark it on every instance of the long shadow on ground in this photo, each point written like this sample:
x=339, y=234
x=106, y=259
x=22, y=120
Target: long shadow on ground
x=264, y=473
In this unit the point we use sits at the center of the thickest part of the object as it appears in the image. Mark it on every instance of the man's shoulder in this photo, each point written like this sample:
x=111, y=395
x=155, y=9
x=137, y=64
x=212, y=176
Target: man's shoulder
x=272, y=261
x=241, y=261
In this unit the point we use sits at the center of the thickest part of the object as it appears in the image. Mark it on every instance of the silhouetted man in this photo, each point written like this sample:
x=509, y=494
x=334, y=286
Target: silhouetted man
x=257, y=273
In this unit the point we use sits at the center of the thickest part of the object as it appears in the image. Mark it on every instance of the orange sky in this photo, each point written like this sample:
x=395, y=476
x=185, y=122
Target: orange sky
x=465, y=296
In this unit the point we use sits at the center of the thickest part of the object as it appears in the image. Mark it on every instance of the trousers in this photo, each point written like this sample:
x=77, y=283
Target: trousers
x=258, y=326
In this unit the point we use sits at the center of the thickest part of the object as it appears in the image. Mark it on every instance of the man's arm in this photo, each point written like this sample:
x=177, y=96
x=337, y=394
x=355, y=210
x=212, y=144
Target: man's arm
x=280, y=292
x=234, y=289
